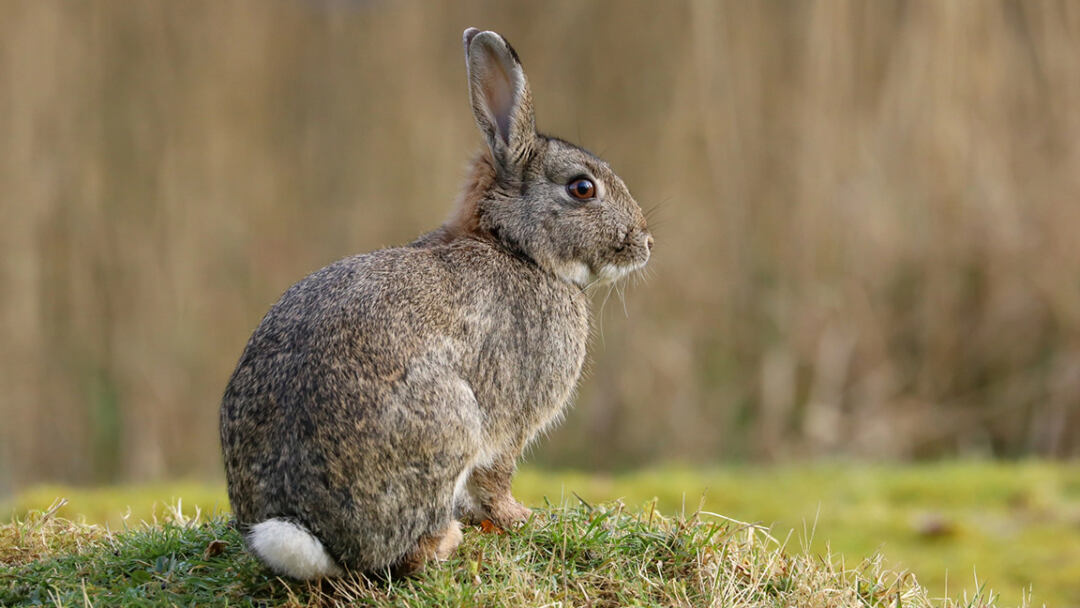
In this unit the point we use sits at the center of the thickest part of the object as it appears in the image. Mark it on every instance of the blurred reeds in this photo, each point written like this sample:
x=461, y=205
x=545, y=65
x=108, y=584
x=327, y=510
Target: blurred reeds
x=867, y=214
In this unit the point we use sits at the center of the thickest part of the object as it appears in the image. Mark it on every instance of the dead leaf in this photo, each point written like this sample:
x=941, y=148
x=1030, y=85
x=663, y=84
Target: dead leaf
x=216, y=547
x=489, y=526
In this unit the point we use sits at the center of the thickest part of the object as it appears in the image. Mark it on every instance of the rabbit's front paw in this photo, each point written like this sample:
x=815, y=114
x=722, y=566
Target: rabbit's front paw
x=508, y=513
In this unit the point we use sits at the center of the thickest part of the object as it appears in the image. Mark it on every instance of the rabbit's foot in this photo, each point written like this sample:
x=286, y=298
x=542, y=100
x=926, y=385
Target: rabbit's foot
x=489, y=488
x=438, y=547
x=498, y=516
x=508, y=513
x=450, y=540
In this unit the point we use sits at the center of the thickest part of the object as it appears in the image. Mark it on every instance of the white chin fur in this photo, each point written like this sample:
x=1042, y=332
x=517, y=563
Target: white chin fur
x=290, y=549
x=611, y=272
x=581, y=275
x=577, y=273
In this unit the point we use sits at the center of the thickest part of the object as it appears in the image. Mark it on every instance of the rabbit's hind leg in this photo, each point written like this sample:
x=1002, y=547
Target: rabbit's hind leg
x=429, y=547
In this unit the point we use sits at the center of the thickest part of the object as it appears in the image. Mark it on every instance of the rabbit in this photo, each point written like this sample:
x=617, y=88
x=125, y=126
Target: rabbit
x=389, y=394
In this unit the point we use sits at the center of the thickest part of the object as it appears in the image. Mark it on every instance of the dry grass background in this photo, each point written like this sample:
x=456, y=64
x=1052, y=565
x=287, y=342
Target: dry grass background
x=866, y=235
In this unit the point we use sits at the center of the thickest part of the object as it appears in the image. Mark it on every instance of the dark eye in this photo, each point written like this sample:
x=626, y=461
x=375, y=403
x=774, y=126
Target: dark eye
x=582, y=189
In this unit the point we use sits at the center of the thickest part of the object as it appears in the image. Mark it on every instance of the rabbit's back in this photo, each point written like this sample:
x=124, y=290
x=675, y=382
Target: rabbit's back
x=374, y=382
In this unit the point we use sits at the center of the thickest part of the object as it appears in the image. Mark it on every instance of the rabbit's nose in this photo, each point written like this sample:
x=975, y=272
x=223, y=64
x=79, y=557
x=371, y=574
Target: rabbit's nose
x=648, y=242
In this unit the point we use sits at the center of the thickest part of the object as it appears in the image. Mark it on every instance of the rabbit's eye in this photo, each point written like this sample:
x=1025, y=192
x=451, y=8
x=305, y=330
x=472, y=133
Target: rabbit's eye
x=582, y=189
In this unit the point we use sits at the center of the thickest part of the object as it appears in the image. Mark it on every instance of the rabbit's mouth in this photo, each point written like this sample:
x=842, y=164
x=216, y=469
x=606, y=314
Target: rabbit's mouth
x=630, y=255
x=609, y=273
x=583, y=275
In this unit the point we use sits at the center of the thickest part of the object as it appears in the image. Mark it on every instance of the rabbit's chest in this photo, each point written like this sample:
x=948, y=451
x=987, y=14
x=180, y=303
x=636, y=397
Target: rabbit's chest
x=528, y=358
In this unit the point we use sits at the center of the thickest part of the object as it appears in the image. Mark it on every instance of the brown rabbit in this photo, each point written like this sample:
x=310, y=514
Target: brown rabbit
x=386, y=391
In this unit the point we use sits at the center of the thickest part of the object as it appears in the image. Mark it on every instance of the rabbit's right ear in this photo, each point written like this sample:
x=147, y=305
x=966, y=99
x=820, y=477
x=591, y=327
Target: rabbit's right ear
x=500, y=98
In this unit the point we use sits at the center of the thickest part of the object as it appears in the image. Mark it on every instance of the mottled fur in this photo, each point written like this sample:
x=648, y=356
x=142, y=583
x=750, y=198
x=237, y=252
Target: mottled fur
x=385, y=389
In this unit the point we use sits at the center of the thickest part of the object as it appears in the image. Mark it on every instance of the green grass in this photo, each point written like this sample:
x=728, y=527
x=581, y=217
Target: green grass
x=1016, y=525
x=582, y=555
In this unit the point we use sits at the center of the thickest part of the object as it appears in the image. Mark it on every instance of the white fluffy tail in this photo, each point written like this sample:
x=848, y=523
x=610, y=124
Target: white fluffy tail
x=289, y=549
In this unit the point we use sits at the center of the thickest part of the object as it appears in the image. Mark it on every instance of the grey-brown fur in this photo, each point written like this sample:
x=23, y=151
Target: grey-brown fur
x=378, y=384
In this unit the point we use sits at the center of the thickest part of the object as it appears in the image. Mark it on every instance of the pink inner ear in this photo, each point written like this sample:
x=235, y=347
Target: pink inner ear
x=499, y=93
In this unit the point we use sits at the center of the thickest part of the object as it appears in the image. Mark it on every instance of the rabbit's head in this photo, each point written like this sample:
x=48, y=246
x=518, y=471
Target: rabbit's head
x=539, y=196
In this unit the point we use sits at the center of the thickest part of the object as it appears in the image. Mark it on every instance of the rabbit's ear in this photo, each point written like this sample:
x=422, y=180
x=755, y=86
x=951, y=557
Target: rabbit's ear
x=500, y=97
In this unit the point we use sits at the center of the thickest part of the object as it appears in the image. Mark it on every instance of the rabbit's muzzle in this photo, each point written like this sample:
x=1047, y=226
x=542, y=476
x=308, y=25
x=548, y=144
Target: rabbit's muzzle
x=631, y=253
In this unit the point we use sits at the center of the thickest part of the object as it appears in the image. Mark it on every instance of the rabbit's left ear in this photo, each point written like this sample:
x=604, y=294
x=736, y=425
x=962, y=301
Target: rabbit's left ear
x=500, y=98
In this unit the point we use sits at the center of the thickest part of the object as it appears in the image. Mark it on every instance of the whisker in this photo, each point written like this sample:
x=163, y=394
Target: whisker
x=603, y=305
x=622, y=296
x=651, y=211
x=654, y=209
x=591, y=283
x=654, y=223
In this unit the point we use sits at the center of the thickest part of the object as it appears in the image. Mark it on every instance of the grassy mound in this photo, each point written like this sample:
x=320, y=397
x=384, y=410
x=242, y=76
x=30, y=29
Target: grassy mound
x=955, y=525
x=577, y=555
